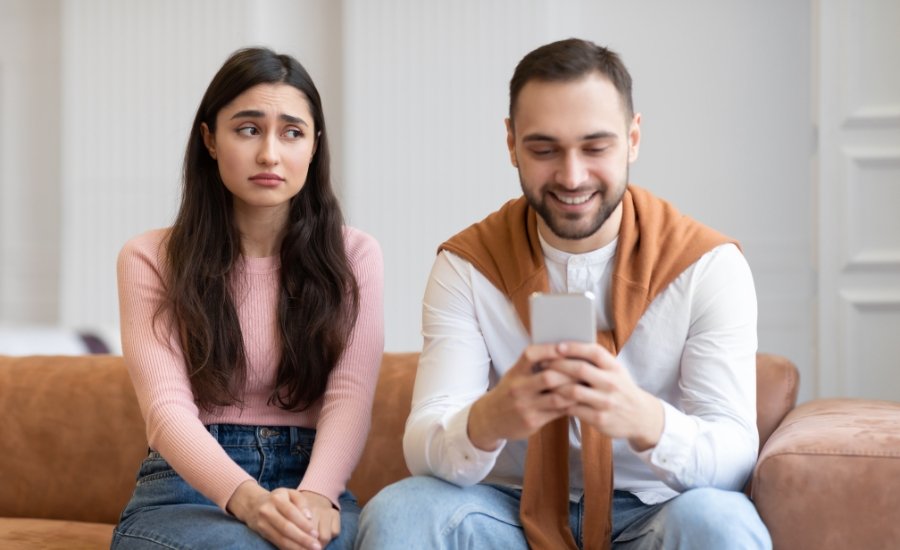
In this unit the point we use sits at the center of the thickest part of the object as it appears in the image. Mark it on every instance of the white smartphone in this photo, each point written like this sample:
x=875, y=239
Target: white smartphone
x=562, y=318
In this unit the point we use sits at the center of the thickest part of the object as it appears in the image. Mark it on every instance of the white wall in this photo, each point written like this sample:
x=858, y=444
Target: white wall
x=415, y=95
x=724, y=90
x=133, y=75
x=29, y=160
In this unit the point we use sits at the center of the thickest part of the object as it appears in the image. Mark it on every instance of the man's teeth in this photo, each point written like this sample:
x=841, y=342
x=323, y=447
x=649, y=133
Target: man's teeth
x=575, y=200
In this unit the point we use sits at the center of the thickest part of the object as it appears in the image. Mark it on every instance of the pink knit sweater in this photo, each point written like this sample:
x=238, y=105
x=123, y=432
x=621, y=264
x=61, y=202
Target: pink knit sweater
x=175, y=425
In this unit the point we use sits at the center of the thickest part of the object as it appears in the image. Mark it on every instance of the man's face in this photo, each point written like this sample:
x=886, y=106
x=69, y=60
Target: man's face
x=572, y=144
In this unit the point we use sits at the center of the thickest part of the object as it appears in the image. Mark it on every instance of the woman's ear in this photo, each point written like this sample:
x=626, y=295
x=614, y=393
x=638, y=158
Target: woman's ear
x=209, y=139
x=315, y=146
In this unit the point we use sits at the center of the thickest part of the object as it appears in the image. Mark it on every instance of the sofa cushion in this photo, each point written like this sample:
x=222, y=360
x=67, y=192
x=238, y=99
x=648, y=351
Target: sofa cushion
x=77, y=439
x=827, y=476
x=52, y=534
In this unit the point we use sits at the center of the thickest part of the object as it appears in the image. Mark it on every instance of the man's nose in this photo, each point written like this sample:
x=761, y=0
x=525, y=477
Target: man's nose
x=572, y=172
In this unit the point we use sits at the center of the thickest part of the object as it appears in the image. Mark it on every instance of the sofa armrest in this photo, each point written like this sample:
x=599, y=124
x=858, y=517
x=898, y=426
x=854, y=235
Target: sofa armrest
x=827, y=476
x=777, y=383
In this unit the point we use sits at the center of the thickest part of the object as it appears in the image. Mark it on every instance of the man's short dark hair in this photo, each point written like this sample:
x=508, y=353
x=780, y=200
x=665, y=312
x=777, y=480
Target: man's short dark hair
x=567, y=60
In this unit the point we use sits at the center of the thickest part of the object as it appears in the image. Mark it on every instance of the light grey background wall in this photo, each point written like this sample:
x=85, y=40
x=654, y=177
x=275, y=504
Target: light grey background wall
x=29, y=161
x=94, y=116
x=724, y=89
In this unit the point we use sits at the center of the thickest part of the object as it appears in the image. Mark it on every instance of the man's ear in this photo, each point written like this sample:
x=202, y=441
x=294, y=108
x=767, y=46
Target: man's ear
x=634, y=138
x=511, y=142
x=209, y=139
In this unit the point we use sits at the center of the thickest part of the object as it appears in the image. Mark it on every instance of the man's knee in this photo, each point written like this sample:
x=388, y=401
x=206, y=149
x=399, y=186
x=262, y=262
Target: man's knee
x=716, y=516
x=439, y=514
x=405, y=508
x=415, y=496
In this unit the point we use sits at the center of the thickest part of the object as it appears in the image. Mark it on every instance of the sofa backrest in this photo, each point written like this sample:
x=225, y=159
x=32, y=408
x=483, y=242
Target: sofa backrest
x=73, y=437
x=382, y=462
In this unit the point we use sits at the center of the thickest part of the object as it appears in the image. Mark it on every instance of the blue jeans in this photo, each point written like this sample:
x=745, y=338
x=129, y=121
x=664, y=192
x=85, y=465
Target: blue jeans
x=425, y=512
x=166, y=512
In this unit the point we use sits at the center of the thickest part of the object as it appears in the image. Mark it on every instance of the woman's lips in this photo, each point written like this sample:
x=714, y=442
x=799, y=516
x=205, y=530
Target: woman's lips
x=267, y=180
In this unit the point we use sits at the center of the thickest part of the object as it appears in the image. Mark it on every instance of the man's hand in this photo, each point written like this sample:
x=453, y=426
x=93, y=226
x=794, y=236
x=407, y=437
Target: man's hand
x=606, y=397
x=526, y=398
x=283, y=517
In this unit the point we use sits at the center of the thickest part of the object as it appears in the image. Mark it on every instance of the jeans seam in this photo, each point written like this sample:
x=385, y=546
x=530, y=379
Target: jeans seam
x=463, y=512
x=581, y=523
x=262, y=465
x=148, y=538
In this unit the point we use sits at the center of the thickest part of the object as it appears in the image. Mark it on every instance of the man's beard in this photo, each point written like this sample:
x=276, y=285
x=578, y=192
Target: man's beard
x=572, y=232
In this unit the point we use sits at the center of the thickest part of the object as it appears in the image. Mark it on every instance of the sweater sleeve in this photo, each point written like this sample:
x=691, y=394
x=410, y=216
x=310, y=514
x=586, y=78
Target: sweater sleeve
x=345, y=418
x=156, y=365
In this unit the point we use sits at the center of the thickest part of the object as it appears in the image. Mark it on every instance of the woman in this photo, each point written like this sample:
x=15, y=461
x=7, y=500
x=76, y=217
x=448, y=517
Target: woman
x=252, y=329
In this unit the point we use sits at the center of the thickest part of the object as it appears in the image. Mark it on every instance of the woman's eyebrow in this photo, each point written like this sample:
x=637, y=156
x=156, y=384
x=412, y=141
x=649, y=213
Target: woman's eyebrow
x=250, y=113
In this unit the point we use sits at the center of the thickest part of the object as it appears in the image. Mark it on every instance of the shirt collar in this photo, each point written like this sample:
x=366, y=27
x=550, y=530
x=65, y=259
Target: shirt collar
x=598, y=256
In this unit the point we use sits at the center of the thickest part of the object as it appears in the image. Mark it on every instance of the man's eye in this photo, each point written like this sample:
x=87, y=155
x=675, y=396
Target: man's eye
x=542, y=152
x=595, y=150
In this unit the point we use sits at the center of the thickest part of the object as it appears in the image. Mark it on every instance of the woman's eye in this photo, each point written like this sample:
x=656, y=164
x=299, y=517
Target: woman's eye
x=293, y=133
x=248, y=131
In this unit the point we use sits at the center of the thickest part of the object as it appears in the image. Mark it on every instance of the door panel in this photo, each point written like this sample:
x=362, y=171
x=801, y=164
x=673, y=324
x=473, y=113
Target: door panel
x=858, y=192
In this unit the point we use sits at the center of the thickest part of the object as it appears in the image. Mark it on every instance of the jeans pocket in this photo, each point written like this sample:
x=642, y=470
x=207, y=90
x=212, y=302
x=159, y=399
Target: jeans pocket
x=295, y=465
x=303, y=445
x=153, y=468
x=303, y=451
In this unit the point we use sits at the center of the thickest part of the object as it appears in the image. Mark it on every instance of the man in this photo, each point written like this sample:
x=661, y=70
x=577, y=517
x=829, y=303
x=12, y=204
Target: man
x=641, y=440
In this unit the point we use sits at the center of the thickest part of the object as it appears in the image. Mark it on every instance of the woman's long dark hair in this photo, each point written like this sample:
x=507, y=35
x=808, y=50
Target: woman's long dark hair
x=319, y=297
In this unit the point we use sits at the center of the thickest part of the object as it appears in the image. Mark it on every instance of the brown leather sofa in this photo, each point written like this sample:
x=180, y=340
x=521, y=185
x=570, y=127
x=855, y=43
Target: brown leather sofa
x=73, y=437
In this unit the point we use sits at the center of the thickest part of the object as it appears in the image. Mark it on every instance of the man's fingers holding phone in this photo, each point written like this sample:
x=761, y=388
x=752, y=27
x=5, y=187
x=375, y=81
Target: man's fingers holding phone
x=547, y=379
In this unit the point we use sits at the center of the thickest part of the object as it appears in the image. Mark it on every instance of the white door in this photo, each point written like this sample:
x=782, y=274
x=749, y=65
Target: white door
x=858, y=192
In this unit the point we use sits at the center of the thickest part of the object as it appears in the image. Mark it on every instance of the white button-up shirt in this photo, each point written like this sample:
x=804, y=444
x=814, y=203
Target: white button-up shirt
x=694, y=348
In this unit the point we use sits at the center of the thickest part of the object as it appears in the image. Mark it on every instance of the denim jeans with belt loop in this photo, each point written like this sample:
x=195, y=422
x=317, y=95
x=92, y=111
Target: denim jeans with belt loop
x=166, y=512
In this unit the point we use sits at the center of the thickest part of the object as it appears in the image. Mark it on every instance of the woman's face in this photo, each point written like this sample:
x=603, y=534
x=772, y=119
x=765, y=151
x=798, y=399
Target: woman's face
x=264, y=142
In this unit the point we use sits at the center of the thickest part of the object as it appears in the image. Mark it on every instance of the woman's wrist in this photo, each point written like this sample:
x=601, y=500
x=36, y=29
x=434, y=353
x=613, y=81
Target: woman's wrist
x=242, y=499
x=318, y=499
